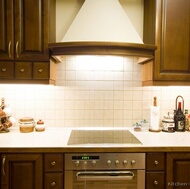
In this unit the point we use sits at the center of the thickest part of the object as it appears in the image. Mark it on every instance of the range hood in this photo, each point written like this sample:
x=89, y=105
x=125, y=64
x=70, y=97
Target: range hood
x=102, y=27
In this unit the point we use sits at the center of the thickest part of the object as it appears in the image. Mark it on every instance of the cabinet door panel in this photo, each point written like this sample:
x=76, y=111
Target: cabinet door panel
x=21, y=171
x=176, y=36
x=167, y=25
x=31, y=29
x=6, y=30
x=178, y=170
x=173, y=54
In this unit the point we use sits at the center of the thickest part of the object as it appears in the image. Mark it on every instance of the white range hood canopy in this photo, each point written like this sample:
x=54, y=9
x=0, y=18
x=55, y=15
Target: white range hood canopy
x=102, y=27
x=102, y=20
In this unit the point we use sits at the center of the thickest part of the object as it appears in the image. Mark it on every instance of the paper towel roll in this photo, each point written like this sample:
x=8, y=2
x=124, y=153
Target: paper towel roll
x=154, y=118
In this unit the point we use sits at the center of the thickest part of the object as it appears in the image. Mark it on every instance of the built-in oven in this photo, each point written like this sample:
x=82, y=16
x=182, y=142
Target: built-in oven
x=105, y=171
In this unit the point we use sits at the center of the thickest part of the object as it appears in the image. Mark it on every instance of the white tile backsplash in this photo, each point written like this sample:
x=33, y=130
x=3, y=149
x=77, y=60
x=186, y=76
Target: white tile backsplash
x=99, y=92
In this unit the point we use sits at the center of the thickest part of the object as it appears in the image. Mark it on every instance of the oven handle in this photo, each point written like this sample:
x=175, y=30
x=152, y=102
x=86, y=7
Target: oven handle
x=104, y=175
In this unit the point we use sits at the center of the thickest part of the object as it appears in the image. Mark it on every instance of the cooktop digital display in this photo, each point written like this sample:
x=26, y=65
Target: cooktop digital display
x=101, y=137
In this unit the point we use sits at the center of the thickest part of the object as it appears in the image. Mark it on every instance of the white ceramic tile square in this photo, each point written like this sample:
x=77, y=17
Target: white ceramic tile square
x=71, y=75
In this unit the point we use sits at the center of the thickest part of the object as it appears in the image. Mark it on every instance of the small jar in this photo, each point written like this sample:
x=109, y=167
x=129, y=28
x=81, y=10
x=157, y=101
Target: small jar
x=168, y=125
x=26, y=124
x=40, y=126
x=137, y=127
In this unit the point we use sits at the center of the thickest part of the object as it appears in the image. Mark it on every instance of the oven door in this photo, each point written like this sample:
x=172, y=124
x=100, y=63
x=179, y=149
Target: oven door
x=133, y=179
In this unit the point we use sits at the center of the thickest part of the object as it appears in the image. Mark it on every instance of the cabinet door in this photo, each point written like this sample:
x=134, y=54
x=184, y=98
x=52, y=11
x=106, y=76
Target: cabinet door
x=31, y=29
x=21, y=171
x=178, y=170
x=174, y=58
x=167, y=25
x=6, y=30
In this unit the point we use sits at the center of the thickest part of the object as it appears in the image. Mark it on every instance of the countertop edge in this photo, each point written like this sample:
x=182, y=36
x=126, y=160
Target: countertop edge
x=93, y=149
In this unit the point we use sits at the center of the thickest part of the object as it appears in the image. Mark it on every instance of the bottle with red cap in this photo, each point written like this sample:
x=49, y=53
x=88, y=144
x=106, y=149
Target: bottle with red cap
x=179, y=119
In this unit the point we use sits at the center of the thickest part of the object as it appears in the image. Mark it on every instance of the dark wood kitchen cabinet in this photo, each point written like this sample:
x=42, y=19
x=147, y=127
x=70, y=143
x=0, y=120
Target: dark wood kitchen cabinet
x=21, y=171
x=26, y=28
x=53, y=167
x=155, y=171
x=167, y=25
x=178, y=170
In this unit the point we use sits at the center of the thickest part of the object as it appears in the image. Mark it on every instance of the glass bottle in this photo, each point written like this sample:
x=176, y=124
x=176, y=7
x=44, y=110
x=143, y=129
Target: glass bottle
x=179, y=119
x=186, y=120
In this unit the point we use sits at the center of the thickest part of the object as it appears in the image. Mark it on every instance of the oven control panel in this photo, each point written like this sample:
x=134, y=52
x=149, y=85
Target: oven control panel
x=104, y=161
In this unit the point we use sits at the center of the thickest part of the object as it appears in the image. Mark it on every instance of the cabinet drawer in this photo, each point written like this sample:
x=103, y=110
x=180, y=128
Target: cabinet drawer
x=6, y=70
x=54, y=181
x=155, y=161
x=41, y=70
x=23, y=70
x=53, y=162
x=155, y=180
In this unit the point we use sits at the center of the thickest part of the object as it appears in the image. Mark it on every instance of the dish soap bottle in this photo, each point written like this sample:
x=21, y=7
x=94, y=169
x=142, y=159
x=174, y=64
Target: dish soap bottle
x=154, y=117
x=179, y=118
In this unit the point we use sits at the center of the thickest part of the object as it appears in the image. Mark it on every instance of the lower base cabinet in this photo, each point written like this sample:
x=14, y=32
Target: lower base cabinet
x=178, y=171
x=53, y=171
x=155, y=171
x=46, y=171
x=21, y=171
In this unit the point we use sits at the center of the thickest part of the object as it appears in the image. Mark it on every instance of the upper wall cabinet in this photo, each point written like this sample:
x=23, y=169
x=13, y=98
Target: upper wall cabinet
x=167, y=25
x=26, y=28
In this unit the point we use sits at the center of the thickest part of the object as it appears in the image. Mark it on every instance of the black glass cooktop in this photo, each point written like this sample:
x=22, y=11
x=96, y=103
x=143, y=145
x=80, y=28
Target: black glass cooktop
x=78, y=137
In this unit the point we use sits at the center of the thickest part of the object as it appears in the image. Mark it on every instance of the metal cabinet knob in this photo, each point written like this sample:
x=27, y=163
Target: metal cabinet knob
x=53, y=163
x=40, y=70
x=22, y=70
x=133, y=162
x=116, y=162
x=53, y=183
x=155, y=182
x=4, y=69
x=108, y=162
x=156, y=162
x=125, y=162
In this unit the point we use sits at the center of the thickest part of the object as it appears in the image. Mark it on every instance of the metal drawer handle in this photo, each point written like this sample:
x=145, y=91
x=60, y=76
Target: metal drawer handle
x=156, y=162
x=4, y=69
x=53, y=163
x=40, y=70
x=3, y=165
x=22, y=70
x=53, y=183
x=17, y=54
x=10, y=49
x=155, y=182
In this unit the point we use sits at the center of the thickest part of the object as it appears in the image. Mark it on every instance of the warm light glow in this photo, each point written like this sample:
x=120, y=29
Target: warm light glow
x=99, y=63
